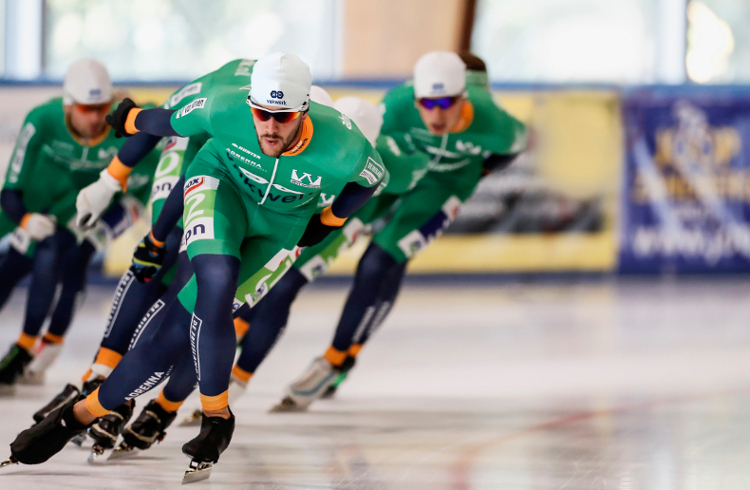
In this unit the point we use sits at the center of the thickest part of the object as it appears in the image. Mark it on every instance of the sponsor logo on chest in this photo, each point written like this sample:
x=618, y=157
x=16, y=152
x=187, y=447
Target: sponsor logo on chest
x=306, y=180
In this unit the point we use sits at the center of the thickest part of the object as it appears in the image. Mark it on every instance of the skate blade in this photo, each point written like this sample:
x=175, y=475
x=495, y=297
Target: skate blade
x=287, y=405
x=32, y=379
x=192, y=420
x=123, y=453
x=8, y=462
x=96, y=456
x=79, y=439
x=7, y=390
x=198, y=472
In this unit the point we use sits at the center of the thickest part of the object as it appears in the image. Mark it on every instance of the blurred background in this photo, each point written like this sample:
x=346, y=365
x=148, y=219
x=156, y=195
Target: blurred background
x=639, y=109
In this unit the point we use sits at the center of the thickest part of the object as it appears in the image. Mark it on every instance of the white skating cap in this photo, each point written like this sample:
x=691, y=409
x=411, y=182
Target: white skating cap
x=318, y=94
x=365, y=115
x=439, y=74
x=87, y=82
x=282, y=80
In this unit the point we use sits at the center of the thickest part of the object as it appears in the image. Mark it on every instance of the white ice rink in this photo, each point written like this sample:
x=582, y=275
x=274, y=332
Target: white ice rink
x=592, y=385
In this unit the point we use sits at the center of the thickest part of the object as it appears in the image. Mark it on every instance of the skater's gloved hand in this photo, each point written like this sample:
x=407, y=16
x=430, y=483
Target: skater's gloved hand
x=95, y=198
x=319, y=227
x=147, y=259
x=38, y=226
x=123, y=118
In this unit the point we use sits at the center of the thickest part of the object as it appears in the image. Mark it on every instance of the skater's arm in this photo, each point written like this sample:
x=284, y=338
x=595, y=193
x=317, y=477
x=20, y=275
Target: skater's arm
x=129, y=119
x=11, y=202
x=497, y=162
x=169, y=214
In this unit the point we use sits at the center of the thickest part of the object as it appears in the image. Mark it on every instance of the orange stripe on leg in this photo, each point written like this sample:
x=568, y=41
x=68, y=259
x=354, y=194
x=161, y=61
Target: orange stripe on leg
x=107, y=357
x=334, y=356
x=86, y=376
x=354, y=350
x=51, y=338
x=240, y=327
x=213, y=403
x=241, y=374
x=93, y=405
x=26, y=341
x=166, y=404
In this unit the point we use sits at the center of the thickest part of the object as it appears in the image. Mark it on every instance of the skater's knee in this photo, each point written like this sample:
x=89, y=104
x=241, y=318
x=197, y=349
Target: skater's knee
x=217, y=276
x=375, y=263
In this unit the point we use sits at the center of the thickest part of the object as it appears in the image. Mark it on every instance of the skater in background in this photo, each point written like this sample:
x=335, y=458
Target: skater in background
x=63, y=145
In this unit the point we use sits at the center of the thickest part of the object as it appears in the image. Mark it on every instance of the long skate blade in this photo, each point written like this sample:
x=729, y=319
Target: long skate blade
x=8, y=462
x=96, y=454
x=287, y=405
x=123, y=452
x=79, y=439
x=197, y=472
x=192, y=420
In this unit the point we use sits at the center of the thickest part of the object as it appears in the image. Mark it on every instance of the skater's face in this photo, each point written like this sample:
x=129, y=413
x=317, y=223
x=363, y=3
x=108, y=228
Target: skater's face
x=440, y=114
x=88, y=119
x=275, y=137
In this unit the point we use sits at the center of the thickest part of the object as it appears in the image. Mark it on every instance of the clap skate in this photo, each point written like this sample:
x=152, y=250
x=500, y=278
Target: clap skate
x=309, y=387
x=107, y=429
x=11, y=368
x=345, y=368
x=42, y=441
x=214, y=438
x=236, y=388
x=149, y=427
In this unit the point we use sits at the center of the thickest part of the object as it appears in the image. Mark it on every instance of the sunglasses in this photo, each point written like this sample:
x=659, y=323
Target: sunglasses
x=89, y=108
x=442, y=102
x=280, y=117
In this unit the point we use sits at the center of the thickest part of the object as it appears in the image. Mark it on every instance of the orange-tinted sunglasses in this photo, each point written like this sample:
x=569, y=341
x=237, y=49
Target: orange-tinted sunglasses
x=89, y=108
x=280, y=117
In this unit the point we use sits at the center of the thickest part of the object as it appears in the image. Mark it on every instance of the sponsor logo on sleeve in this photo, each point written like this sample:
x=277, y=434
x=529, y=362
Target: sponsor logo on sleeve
x=185, y=91
x=346, y=121
x=196, y=104
x=373, y=171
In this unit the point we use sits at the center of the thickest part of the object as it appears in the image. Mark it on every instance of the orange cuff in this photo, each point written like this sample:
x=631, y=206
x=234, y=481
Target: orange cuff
x=166, y=404
x=328, y=218
x=119, y=171
x=240, y=327
x=354, y=350
x=241, y=374
x=107, y=357
x=51, y=338
x=154, y=240
x=25, y=220
x=335, y=357
x=26, y=341
x=130, y=120
x=93, y=405
x=211, y=403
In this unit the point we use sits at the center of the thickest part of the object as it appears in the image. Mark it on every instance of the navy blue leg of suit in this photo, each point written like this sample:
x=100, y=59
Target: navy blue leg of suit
x=74, y=274
x=209, y=330
x=46, y=273
x=12, y=269
x=133, y=299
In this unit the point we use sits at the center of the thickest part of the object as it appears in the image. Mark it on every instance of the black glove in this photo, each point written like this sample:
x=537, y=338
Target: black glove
x=117, y=119
x=147, y=259
x=315, y=232
x=496, y=163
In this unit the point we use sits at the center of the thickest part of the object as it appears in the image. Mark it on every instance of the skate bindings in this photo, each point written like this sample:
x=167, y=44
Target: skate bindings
x=107, y=429
x=148, y=428
x=11, y=367
x=214, y=438
x=345, y=368
x=47, y=438
x=309, y=387
x=68, y=393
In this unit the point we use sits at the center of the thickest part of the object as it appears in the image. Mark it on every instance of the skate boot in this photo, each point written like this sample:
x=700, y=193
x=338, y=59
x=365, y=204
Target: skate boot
x=88, y=387
x=11, y=367
x=47, y=438
x=150, y=427
x=214, y=438
x=68, y=393
x=345, y=368
x=236, y=388
x=308, y=387
x=107, y=429
x=43, y=359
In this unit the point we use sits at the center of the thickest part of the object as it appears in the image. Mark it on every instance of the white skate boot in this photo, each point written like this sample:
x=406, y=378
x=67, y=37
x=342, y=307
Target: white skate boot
x=309, y=387
x=47, y=353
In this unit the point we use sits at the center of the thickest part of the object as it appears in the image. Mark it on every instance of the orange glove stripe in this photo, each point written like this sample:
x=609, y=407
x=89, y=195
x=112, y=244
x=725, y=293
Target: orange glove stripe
x=119, y=171
x=154, y=240
x=130, y=120
x=25, y=220
x=328, y=218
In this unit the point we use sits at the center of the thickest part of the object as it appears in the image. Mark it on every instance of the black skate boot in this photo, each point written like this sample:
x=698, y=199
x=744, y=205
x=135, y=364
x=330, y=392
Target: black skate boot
x=88, y=387
x=215, y=436
x=68, y=393
x=11, y=368
x=345, y=368
x=107, y=429
x=148, y=428
x=47, y=438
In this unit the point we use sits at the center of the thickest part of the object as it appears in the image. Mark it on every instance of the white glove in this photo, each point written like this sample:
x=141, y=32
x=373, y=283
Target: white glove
x=94, y=199
x=39, y=226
